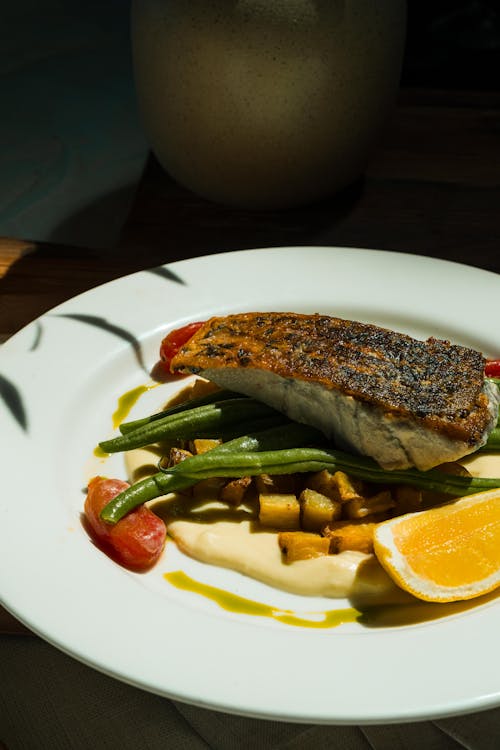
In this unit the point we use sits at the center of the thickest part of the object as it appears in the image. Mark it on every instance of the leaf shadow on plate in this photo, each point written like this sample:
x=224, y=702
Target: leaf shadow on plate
x=13, y=400
x=166, y=273
x=38, y=336
x=116, y=330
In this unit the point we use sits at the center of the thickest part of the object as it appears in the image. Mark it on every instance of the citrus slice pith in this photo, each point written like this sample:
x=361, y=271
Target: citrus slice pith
x=446, y=553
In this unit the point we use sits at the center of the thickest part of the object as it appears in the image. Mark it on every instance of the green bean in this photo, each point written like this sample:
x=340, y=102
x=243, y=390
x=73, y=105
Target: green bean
x=269, y=445
x=171, y=480
x=147, y=489
x=493, y=442
x=211, y=420
x=285, y=435
x=231, y=461
x=300, y=460
x=179, y=408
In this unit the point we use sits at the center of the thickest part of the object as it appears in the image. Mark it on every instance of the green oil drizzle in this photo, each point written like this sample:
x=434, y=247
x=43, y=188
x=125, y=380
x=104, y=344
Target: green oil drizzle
x=238, y=604
x=380, y=616
x=126, y=402
x=99, y=453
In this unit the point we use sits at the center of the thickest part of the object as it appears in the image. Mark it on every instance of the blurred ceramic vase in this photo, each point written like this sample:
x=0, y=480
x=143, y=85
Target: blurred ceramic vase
x=266, y=103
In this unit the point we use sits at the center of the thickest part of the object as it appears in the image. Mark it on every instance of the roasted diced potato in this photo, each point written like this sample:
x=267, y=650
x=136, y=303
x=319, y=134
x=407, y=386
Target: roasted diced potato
x=300, y=545
x=202, y=445
x=365, y=506
x=317, y=510
x=276, y=484
x=454, y=468
x=176, y=455
x=197, y=389
x=430, y=498
x=325, y=483
x=208, y=489
x=279, y=510
x=407, y=499
x=350, y=535
x=234, y=491
x=202, y=387
x=349, y=488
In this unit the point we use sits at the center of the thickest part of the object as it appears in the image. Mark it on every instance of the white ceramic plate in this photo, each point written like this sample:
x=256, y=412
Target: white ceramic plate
x=60, y=380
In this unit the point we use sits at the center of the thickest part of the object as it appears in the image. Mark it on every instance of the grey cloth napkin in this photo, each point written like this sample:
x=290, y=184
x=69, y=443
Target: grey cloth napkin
x=50, y=701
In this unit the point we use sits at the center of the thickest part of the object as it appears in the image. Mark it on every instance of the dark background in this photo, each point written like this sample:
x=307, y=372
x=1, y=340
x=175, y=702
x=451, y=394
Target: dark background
x=453, y=44
x=72, y=148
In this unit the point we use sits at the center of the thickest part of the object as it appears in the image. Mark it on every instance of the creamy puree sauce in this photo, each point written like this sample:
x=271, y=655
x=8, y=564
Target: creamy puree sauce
x=203, y=531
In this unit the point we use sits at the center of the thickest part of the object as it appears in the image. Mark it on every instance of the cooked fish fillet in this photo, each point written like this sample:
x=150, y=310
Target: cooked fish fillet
x=373, y=391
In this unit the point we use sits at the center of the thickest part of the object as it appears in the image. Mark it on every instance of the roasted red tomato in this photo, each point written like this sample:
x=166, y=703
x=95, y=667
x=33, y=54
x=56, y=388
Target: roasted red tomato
x=174, y=340
x=137, y=540
x=492, y=369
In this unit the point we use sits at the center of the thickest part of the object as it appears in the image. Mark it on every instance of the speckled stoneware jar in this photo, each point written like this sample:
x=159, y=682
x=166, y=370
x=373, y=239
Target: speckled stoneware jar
x=266, y=103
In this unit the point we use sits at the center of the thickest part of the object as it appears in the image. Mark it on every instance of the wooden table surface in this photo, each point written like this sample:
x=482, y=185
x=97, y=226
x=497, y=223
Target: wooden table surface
x=432, y=188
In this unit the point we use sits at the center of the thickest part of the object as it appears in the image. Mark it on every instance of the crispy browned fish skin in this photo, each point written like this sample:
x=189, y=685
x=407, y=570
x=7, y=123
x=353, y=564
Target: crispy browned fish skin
x=437, y=383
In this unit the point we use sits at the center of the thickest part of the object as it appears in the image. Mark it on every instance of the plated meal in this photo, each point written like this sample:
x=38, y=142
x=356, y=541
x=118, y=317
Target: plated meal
x=205, y=631
x=319, y=455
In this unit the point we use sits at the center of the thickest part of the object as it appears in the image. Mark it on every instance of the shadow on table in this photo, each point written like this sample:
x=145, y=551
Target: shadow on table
x=387, y=209
x=169, y=222
x=99, y=223
x=166, y=223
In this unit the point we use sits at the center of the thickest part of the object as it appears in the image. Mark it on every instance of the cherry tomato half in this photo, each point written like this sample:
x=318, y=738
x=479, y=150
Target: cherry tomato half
x=174, y=340
x=492, y=369
x=137, y=540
